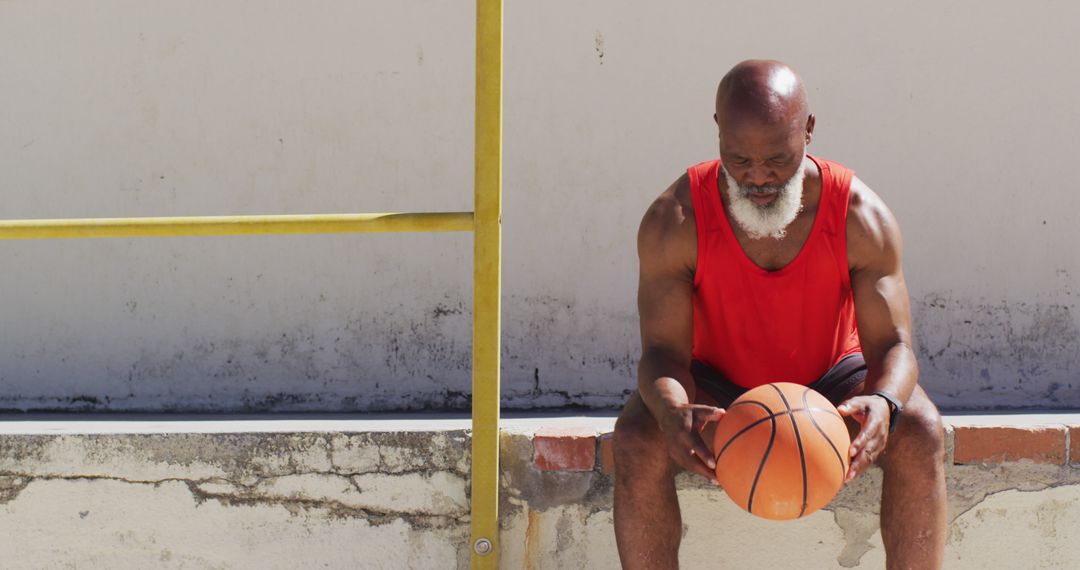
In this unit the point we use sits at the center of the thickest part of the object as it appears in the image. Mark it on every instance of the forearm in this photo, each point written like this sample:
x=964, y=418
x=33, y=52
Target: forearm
x=895, y=372
x=664, y=382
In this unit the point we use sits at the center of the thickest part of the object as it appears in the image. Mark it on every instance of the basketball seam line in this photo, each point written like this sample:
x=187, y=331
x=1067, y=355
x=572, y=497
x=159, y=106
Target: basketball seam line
x=843, y=472
x=832, y=412
x=798, y=442
x=761, y=466
x=747, y=428
x=766, y=418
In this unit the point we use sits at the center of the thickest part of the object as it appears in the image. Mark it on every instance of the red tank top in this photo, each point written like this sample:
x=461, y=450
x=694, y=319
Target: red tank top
x=789, y=325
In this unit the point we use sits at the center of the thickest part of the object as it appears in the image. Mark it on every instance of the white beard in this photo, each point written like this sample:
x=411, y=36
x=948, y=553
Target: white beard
x=771, y=220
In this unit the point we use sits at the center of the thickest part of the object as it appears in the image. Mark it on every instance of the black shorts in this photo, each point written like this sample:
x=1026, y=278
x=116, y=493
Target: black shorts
x=836, y=385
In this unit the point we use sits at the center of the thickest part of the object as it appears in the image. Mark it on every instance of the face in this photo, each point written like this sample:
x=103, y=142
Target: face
x=759, y=154
x=763, y=168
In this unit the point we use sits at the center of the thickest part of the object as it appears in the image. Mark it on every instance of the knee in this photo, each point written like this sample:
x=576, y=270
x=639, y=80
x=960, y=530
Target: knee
x=920, y=435
x=635, y=435
x=637, y=442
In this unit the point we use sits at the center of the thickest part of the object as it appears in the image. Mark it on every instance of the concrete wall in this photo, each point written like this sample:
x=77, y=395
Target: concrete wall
x=961, y=116
x=378, y=499
x=385, y=494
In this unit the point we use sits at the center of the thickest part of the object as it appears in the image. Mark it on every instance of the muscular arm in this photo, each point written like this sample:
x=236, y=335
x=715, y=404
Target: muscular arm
x=883, y=315
x=882, y=307
x=667, y=251
x=665, y=302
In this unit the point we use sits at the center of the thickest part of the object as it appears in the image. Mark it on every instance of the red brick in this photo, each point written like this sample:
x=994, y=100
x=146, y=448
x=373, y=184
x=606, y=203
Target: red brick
x=607, y=452
x=1074, y=445
x=572, y=449
x=999, y=444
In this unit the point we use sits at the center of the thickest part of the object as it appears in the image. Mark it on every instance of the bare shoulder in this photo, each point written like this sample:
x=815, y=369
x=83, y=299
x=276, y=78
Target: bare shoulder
x=668, y=235
x=873, y=234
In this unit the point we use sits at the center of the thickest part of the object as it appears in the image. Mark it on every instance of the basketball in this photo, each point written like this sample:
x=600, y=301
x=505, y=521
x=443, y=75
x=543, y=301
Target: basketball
x=781, y=451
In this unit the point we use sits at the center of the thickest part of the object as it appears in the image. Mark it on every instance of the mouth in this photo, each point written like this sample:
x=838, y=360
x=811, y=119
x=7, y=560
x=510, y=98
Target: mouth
x=763, y=198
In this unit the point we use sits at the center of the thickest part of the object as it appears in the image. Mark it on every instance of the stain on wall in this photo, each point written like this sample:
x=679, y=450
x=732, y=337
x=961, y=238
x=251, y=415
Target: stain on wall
x=556, y=353
x=984, y=355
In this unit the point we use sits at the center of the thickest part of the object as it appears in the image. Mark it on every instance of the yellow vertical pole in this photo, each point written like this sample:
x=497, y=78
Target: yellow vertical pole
x=487, y=287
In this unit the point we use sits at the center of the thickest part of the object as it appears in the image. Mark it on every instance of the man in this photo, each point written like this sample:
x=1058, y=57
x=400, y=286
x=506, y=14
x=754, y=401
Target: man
x=772, y=265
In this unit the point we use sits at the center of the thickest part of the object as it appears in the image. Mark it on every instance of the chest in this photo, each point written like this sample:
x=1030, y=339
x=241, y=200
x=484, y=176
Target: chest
x=775, y=254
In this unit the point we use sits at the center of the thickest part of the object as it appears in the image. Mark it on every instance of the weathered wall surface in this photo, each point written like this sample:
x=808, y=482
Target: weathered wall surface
x=337, y=496
x=1031, y=528
x=256, y=500
x=959, y=115
x=1018, y=513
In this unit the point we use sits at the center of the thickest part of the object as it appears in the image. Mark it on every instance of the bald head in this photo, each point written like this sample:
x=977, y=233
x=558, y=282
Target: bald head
x=762, y=91
x=764, y=126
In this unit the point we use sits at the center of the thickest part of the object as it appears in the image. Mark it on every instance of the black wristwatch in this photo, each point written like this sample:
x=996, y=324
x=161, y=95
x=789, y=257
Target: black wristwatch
x=895, y=409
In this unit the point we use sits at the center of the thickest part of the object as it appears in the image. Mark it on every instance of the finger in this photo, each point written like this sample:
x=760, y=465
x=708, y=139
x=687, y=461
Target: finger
x=702, y=451
x=861, y=439
x=705, y=415
x=848, y=407
x=868, y=433
x=861, y=462
x=692, y=463
x=864, y=452
x=691, y=453
x=860, y=404
x=855, y=469
x=855, y=449
x=857, y=412
x=716, y=414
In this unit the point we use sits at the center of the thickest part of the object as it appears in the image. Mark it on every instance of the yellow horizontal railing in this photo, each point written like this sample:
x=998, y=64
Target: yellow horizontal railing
x=237, y=225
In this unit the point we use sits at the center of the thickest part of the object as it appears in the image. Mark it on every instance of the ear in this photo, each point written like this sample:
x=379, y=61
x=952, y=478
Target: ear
x=810, y=128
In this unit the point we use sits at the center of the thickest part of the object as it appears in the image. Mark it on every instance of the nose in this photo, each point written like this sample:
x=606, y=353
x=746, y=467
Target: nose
x=757, y=176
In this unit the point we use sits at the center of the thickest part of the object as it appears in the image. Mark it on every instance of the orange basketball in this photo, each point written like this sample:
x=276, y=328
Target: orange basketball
x=781, y=451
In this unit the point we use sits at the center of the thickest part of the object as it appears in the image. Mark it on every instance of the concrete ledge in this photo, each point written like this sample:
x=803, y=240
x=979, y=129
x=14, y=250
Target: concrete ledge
x=1014, y=502
x=391, y=491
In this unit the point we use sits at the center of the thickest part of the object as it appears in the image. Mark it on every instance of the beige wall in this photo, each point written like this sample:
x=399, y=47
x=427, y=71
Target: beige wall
x=961, y=116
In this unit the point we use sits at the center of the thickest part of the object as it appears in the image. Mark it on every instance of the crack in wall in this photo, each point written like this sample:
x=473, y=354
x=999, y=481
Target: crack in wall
x=12, y=484
x=243, y=455
x=990, y=480
x=335, y=509
x=967, y=486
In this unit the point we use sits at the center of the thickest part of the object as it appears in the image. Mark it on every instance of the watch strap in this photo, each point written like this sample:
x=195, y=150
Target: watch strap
x=895, y=408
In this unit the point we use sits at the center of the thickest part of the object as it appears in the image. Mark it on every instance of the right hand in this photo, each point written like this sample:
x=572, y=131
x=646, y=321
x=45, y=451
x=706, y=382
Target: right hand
x=682, y=429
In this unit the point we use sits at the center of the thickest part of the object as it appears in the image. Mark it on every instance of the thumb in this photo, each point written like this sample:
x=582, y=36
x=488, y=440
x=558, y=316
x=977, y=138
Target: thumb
x=851, y=409
x=706, y=414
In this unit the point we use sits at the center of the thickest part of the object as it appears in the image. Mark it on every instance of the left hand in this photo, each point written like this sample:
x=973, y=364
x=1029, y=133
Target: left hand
x=872, y=413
